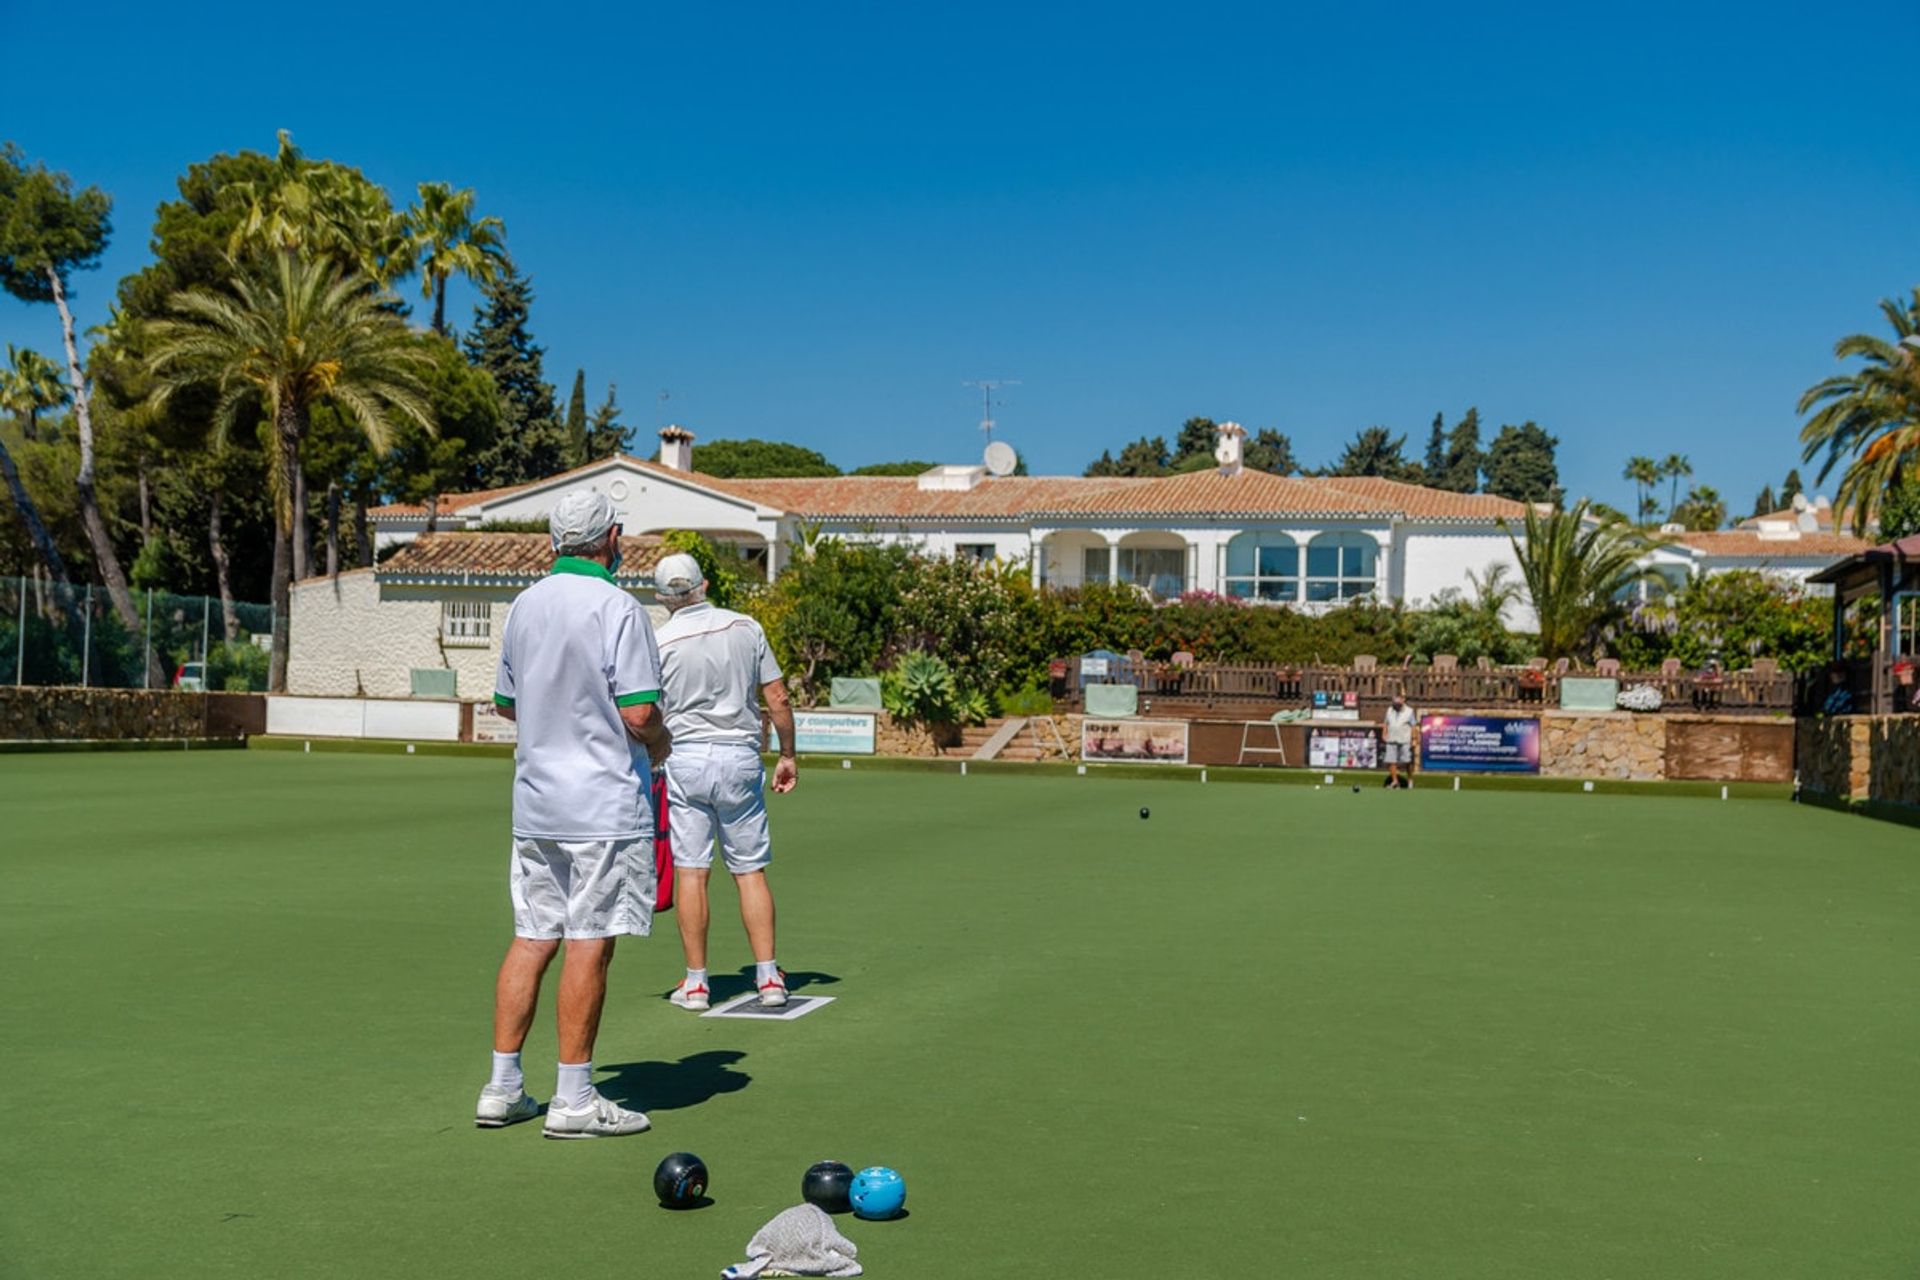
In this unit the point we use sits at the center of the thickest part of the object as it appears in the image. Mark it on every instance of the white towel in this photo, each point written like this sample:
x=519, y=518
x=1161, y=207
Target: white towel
x=800, y=1241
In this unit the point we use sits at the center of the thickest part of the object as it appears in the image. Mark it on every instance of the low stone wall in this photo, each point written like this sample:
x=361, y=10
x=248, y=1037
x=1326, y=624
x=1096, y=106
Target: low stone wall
x=66, y=714
x=1893, y=776
x=1614, y=744
x=1870, y=761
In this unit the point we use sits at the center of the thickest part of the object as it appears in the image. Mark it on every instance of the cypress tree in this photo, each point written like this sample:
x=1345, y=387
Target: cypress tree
x=606, y=435
x=577, y=420
x=1460, y=472
x=1521, y=466
x=1437, y=449
x=532, y=444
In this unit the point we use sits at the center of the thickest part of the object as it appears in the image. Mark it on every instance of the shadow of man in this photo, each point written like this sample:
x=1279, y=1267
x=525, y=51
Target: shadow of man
x=670, y=1086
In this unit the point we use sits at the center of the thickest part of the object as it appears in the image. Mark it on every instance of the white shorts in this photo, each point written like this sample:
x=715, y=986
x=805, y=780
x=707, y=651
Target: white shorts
x=717, y=791
x=1396, y=753
x=581, y=888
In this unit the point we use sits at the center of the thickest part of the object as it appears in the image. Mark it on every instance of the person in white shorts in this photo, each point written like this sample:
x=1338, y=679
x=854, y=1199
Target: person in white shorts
x=716, y=666
x=580, y=674
x=1398, y=747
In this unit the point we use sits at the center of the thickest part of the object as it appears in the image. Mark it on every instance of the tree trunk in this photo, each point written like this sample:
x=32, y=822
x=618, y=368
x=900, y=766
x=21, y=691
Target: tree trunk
x=146, y=505
x=30, y=516
x=287, y=433
x=222, y=573
x=362, y=530
x=302, y=539
x=433, y=511
x=440, y=306
x=333, y=528
x=104, y=557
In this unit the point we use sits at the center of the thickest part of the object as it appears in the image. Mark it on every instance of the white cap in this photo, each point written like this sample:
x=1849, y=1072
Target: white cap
x=580, y=519
x=677, y=575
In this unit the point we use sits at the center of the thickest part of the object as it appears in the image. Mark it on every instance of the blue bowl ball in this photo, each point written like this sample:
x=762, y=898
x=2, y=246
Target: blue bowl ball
x=878, y=1192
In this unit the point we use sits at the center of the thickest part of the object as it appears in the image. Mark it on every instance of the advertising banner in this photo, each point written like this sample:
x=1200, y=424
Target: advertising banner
x=490, y=726
x=1343, y=748
x=1480, y=744
x=1133, y=741
x=828, y=733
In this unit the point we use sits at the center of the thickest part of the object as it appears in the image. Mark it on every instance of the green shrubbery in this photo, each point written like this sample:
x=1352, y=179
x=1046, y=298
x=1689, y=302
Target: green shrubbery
x=1734, y=617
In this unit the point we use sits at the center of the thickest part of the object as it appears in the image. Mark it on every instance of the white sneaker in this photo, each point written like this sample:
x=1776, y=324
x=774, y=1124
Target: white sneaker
x=773, y=992
x=600, y=1118
x=500, y=1107
x=694, y=997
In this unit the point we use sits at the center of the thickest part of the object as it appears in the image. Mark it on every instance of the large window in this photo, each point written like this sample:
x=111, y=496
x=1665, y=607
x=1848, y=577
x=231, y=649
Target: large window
x=466, y=622
x=1263, y=566
x=1161, y=570
x=1341, y=566
x=1096, y=565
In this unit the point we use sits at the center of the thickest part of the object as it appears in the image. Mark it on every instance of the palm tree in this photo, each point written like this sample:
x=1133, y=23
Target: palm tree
x=1645, y=474
x=1577, y=567
x=31, y=384
x=1674, y=466
x=1870, y=417
x=319, y=207
x=283, y=341
x=449, y=241
x=24, y=395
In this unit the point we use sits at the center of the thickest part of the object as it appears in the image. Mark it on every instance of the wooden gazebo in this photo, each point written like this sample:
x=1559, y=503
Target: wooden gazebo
x=1891, y=574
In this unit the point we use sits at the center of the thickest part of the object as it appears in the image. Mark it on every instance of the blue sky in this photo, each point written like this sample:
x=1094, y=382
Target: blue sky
x=1641, y=226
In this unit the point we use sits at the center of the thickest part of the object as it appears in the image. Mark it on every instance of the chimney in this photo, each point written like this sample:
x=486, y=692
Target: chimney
x=1228, y=452
x=676, y=448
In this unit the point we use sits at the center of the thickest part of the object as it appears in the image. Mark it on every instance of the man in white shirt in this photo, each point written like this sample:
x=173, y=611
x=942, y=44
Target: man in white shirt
x=715, y=665
x=1398, y=747
x=580, y=675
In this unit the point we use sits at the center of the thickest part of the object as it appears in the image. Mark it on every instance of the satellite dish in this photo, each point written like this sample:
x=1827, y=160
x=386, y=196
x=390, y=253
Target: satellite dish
x=1001, y=459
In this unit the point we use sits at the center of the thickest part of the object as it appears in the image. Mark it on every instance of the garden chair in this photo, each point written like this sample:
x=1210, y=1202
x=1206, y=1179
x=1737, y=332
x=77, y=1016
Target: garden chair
x=1446, y=661
x=1366, y=662
x=1607, y=667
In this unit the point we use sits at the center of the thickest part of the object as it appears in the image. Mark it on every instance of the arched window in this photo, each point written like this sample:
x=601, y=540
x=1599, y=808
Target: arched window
x=1263, y=566
x=1341, y=566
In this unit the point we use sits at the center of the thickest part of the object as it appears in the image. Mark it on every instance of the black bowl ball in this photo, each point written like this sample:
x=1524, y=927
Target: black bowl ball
x=1145, y=813
x=1356, y=788
x=826, y=1184
x=681, y=1180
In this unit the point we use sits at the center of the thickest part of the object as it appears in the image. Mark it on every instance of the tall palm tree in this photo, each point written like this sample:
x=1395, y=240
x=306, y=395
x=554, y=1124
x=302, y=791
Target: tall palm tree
x=32, y=385
x=1870, y=417
x=1673, y=467
x=320, y=207
x=1577, y=566
x=22, y=396
x=448, y=240
x=283, y=341
x=1645, y=474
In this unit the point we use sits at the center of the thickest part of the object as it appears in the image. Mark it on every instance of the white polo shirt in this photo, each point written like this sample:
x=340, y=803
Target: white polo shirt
x=712, y=664
x=576, y=648
x=1400, y=723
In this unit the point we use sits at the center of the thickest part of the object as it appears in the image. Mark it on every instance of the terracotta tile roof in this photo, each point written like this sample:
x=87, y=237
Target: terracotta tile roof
x=1420, y=502
x=901, y=498
x=451, y=503
x=1748, y=544
x=503, y=558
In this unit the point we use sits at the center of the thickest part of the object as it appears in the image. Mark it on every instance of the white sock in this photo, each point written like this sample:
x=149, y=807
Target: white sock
x=573, y=1085
x=506, y=1072
x=695, y=978
x=765, y=971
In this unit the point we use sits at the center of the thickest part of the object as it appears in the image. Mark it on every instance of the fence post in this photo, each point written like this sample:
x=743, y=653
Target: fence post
x=20, y=649
x=86, y=639
x=206, y=616
x=146, y=669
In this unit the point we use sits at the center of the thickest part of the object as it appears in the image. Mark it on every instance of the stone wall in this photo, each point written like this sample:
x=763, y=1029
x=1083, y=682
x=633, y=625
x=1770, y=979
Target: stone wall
x=67, y=714
x=1616, y=744
x=1835, y=755
x=1894, y=775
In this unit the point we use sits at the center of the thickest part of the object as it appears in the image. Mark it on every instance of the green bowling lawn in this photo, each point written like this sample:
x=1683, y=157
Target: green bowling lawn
x=1272, y=1031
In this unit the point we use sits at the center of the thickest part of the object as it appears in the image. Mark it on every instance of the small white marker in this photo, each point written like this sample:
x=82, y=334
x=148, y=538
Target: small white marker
x=963, y=768
x=409, y=748
x=1723, y=793
x=1456, y=784
x=846, y=764
x=1203, y=775
x=1586, y=786
x=1329, y=779
x=307, y=748
x=1081, y=770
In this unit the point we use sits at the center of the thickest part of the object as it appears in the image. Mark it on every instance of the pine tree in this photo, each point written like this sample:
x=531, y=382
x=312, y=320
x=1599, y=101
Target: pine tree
x=1790, y=488
x=1437, y=449
x=606, y=435
x=1460, y=471
x=1520, y=464
x=1765, y=504
x=1197, y=439
x=1272, y=452
x=577, y=420
x=1375, y=452
x=532, y=444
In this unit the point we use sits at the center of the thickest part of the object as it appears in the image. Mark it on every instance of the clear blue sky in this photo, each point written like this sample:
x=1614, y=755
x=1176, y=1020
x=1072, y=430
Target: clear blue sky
x=1641, y=226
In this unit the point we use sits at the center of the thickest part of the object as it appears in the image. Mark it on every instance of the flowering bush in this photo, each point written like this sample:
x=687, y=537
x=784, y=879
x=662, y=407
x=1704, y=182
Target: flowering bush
x=1642, y=697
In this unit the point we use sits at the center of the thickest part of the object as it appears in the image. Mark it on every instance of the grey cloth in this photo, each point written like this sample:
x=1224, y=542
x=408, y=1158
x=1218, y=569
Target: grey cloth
x=800, y=1241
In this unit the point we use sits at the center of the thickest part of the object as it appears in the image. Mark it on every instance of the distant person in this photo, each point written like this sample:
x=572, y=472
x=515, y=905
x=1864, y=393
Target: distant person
x=580, y=674
x=1839, y=699
x=716, y=666
x=1398, y=747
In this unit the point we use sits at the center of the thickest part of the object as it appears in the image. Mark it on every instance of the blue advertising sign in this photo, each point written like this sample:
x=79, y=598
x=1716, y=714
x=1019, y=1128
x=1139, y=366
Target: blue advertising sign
x=1480, y=744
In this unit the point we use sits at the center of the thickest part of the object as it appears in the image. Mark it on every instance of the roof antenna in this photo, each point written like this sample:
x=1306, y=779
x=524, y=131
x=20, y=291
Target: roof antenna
x=987, y=388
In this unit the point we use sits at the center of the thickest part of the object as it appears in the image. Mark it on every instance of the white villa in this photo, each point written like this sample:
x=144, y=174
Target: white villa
x=425, y=620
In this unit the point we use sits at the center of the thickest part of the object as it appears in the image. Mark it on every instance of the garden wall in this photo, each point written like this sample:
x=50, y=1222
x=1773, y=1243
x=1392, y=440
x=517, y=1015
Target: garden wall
x=1865, y=760
x=63, y=714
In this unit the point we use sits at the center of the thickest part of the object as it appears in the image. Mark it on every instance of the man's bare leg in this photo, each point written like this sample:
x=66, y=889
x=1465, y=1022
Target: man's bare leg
x=583, y=990
x=516, y=993
x=756, y=913
x=690, y=909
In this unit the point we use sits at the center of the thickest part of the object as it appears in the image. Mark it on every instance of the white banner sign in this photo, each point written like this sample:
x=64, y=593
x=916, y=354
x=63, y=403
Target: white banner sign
x=826, y=733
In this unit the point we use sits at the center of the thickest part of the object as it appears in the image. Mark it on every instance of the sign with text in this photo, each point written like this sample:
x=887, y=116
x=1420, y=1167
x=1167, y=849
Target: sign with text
x=1343, y=748
x=1133, y=741
x=1480, y=744
x=490, y=726
x=828, y=733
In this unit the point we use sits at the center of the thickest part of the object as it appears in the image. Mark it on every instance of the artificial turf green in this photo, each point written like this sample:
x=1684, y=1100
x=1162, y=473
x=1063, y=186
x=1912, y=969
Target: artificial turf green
x=1271, y=1030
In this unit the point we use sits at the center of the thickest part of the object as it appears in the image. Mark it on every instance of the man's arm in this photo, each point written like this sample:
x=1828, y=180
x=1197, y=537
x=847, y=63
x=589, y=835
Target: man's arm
x=646, y=726
x=786, y=771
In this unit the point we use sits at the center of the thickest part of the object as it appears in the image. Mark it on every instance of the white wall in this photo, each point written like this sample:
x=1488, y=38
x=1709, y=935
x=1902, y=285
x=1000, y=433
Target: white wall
x=417, y=720
x=646, y=503
x=1432, y=558
x=351, y=638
